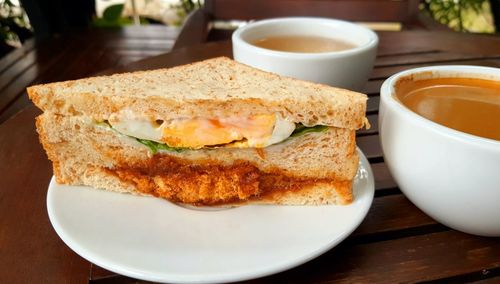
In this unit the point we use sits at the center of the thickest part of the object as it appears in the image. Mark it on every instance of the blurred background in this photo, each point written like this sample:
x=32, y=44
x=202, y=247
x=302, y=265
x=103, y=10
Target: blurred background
x=40, y=19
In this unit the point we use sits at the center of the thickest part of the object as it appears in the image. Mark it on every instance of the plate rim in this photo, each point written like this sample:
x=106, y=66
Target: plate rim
x=214, y=278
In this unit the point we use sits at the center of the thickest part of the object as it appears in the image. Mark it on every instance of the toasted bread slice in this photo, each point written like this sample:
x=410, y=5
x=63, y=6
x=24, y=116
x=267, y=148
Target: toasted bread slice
x=218, y=87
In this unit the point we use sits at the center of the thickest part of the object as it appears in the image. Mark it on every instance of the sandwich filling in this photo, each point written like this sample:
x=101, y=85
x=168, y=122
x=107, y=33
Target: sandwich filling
x=256, y=131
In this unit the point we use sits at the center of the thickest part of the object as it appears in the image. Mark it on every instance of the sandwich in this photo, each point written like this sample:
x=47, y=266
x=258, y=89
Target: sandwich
x=214, y=132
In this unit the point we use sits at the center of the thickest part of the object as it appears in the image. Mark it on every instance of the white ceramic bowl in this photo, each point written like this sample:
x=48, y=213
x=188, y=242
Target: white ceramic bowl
x=452, y=176
x=348, y=69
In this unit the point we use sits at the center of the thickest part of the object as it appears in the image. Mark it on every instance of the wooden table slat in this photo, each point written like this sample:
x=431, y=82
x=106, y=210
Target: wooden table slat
x=370, y=145
x=84, y=64
x=139, y=52
x=412, y=259
x=16, y=55
x=383, y=177
x=392, y=213
x=485, y=273
x=24, y=71
x=161, y=32
x=36, y=73
x=372, y=105
x=17, y=68
x=381, y=73
x=431, y=57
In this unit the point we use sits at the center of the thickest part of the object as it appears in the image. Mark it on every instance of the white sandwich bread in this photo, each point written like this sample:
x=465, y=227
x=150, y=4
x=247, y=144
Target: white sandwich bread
x=214, y=132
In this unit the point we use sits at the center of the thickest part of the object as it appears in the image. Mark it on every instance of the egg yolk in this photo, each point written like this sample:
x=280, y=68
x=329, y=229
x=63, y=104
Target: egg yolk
x=199, y=132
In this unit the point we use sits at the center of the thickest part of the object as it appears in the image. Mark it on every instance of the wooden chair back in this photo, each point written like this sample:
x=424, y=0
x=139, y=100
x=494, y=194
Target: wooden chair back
x=403, y=11
x=197, y=28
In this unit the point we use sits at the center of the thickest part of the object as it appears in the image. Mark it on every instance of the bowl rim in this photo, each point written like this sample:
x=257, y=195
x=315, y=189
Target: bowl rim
x=387, y=96
x=373, y=39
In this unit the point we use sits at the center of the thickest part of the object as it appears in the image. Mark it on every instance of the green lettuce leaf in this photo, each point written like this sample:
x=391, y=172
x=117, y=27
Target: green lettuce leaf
x=301, y=130
x=155, y=146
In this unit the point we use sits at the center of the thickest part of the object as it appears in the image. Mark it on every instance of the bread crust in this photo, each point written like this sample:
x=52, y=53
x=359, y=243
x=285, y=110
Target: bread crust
x=218, y=87
x=84, y=153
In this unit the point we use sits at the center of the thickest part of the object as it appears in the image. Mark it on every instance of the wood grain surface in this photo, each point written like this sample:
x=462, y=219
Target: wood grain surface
x=396, y=242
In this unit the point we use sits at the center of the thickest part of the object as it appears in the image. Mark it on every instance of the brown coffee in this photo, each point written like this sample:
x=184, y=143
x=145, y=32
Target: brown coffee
x=303, y=44
x=465, y=104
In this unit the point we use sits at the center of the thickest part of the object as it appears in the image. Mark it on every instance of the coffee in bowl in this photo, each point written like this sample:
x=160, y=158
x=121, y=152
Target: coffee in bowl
x=469, y=105
x=451, y=175
x=303, y=43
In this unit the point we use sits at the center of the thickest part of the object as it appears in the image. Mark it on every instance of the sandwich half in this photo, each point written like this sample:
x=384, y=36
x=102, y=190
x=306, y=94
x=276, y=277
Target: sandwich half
x=215, y=132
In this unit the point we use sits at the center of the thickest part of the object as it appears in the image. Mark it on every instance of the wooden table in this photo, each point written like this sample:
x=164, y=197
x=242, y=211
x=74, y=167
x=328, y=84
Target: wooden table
x=396, y=242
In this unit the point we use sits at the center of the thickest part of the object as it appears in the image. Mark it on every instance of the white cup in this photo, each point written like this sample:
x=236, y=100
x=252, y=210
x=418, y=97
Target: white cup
x=348, y=69
x=452, y=176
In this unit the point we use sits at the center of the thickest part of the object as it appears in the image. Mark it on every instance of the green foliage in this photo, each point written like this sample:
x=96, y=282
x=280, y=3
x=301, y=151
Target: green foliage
x=454, y=13
x=113, y=13
x=184, y=7
x=189, y=5
x=112, y=18
x=14, y=25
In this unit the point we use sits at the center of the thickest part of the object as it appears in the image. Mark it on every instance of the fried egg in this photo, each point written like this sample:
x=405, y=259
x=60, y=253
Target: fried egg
x=256, y=131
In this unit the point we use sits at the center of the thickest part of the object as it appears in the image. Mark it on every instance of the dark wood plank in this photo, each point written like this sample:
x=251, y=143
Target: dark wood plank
x=108, y=59
x=358, y=10
x=84, y=64
x=30, y=248
x=406, y=41
x=414, y=51
x=487, y=273
x=125, y=60
x=77, y=67
x=92, y=56
x=138, y=52
x=491, y=275
x=381, y=73
x=31, y=75
x=119, y=279
x=136, y=32
x=138, y=44
x=370, y=145
x=99, y=273
x=25, y=70
x=372, y=105
x=181, y=56
x=17, y=68
x=372, y=87
x=412, y=259
x=21, y=102
x=383, y=177
x=16, y=54
x=392, y=213
x=422, y=58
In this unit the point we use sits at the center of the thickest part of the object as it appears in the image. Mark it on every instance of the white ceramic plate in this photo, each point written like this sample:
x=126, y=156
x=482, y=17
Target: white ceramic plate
x=152, y=239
